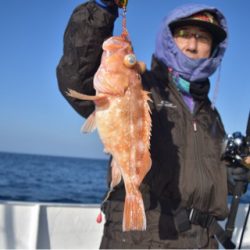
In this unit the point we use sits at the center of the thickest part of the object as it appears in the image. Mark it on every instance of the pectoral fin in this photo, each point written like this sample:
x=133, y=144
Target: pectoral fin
x=81, y=96
x=99, y=100
x=89, y=125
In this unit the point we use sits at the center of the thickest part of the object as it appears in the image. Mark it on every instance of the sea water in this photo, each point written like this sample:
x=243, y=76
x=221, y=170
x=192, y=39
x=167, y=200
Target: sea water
x=26, y=177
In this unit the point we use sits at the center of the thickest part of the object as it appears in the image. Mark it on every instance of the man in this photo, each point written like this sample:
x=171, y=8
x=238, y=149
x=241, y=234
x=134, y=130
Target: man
x=185, y=192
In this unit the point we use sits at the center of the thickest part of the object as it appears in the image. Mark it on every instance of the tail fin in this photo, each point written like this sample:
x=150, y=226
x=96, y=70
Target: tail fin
x=134, y=217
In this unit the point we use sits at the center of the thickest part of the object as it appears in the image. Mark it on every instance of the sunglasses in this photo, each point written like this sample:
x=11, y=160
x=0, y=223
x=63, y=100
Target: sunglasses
x=200, y=36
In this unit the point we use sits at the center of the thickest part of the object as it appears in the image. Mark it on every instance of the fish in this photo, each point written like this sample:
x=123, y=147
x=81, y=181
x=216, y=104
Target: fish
x=123, y=120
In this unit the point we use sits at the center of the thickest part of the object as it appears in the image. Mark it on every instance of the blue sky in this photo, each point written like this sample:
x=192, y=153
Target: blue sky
x=35, y=118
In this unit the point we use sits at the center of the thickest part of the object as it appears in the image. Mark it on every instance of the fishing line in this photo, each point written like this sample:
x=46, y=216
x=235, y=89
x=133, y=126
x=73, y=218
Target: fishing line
x=216, y=88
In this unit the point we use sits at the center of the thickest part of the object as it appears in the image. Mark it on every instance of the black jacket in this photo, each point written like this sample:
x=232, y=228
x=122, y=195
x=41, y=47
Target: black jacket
x=185, y=147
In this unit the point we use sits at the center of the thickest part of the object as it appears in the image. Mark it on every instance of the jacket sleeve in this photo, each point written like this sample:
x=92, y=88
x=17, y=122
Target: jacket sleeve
x=88, y=27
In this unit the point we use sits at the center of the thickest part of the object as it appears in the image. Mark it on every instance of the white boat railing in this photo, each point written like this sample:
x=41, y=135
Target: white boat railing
x=27, y=225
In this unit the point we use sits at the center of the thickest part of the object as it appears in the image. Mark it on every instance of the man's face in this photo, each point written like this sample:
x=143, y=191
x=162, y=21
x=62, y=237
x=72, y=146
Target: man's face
x=194, y=42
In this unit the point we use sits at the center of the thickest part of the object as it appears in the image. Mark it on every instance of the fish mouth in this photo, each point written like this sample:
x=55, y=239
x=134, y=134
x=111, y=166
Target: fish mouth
x=115, y=43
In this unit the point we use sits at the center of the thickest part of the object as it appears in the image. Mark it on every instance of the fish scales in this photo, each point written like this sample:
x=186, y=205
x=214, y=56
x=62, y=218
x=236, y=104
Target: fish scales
x=123, y=120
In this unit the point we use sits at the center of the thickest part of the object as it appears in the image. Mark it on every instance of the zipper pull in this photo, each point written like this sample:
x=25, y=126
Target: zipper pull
x=194, y=125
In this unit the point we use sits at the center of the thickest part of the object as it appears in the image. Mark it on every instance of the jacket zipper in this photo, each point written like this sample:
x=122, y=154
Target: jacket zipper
x=196, y=148
x=199, y=164
x=194, y=125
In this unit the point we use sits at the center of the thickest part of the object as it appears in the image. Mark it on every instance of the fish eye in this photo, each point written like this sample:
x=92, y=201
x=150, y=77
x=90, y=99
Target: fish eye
x=130, y=60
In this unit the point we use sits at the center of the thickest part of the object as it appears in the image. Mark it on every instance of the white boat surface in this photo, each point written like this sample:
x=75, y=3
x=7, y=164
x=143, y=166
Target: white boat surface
x=33, y=225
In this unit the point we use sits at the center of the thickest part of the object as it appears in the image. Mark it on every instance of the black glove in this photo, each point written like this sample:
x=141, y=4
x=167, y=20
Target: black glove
x=112, y=5
x=238, y=174
x=109, y=5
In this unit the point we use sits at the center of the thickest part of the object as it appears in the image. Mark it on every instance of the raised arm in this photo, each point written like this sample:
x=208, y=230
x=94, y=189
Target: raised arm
x=89, y=25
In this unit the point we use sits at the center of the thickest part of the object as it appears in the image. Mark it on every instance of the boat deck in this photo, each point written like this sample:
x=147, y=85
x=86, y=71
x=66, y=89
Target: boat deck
x=25, y=225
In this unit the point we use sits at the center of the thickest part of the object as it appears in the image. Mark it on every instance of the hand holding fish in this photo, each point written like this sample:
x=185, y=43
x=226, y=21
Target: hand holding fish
x=121, y=3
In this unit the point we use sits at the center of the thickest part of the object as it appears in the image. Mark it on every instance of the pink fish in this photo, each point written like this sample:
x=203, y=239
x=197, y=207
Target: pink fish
x=122, y=117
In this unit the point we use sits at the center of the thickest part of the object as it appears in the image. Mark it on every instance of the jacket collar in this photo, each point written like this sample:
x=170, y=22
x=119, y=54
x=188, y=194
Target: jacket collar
x=161, y=71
